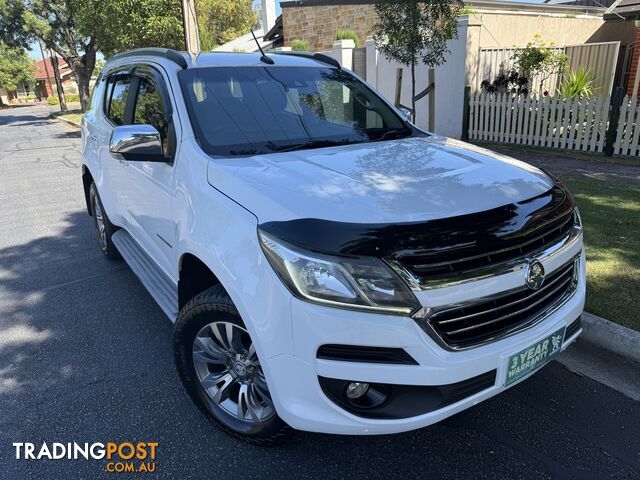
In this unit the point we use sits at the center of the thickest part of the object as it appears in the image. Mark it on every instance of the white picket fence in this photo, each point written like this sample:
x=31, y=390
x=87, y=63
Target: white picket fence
x=544, y=121
x=628, y=135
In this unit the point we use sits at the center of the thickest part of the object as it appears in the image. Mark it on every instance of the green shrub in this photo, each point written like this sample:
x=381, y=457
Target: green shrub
x=53, y=99
x=300, y=45
x=348, y=35
x=578, y=83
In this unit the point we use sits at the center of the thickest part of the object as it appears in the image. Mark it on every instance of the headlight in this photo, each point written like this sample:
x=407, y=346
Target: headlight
x=361, y=283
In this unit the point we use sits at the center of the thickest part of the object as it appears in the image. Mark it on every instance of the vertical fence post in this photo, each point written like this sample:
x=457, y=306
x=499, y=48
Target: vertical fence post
x=465, y=113
x=614, y=117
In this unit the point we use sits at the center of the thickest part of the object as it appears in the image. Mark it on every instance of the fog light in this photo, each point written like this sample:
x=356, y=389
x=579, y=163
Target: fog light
x=356, y=390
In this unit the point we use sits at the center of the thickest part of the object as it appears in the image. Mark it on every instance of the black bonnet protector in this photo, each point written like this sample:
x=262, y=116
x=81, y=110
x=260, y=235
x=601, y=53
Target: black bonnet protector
x=464, y=234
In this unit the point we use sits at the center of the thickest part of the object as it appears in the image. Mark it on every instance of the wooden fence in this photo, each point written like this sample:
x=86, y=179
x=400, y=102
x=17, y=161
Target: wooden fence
x=600, y=59
x=628, y=133
x=543, y=121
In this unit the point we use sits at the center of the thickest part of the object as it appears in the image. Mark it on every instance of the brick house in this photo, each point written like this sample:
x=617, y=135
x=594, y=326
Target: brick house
x=46, y=82
x=626, y=14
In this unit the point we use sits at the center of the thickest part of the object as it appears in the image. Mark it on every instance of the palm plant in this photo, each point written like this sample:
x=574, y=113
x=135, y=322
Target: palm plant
x=577, y=84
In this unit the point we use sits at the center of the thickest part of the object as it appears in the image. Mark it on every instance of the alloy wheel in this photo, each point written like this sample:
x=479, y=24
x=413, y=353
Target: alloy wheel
x=100, y=224
x=229, y=371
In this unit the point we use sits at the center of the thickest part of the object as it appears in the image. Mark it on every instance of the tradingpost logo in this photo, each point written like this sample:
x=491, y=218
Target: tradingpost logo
x=124, y=457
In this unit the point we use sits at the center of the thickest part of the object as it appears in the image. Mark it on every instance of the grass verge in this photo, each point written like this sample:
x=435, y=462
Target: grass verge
x=611, y=217
x=72, y=116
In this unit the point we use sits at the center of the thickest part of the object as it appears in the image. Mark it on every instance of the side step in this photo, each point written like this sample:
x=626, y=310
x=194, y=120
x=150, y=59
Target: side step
x=163, y=290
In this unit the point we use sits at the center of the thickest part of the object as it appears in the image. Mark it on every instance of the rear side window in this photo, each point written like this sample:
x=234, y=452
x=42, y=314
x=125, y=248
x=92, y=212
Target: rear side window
x=150, y=108
x=117, y=99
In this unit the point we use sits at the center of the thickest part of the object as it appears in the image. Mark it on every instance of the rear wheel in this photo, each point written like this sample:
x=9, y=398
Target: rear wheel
x=220, y=369
x=104, y=228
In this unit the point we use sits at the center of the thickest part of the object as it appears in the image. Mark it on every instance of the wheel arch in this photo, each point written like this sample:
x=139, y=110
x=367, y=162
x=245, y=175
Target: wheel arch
x=194, y=277
x=87, y=180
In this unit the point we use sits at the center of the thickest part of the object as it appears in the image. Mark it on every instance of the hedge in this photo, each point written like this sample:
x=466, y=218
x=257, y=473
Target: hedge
x=53, y=100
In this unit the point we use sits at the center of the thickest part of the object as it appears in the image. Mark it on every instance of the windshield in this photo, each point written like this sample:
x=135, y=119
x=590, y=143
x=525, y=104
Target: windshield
x=253, y=110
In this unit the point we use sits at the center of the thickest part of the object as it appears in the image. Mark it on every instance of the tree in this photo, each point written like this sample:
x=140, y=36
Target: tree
x=539, y=60
x=141, y=23
x=55, y=23
x=412, y=32
x=15, y=68
x=220, y=21
x=77, y=29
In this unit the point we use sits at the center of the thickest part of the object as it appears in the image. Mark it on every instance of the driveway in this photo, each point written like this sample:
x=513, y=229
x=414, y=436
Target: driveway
x=85, y=356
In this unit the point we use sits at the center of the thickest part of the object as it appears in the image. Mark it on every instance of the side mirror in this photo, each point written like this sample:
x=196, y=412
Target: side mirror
x=406, y=113
x=137, y=142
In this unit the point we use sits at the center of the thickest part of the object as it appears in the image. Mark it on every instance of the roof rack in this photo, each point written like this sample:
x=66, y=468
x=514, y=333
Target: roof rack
x=320, y=57
x=169, y=54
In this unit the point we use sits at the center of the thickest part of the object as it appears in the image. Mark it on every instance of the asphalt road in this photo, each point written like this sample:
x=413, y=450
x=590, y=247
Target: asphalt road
x=85, y=356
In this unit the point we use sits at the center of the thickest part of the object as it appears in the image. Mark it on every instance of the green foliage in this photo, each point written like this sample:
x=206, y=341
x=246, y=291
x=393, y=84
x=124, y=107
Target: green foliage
x=540, y=60
x=410, y=31
x=348, y=35
x=133, y=24
x=53, y=99
x=467, y=11
x=15, y=67
x=578, y=83
x=99, y=66
x=220, y=21
x=300, y=45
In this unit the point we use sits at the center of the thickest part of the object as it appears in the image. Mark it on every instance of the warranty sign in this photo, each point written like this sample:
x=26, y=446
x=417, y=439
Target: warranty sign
x=530, y=359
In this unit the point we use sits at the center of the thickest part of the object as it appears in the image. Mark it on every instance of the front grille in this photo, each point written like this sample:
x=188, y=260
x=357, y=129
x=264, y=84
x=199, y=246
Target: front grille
x=448, y=262
x=471, y=324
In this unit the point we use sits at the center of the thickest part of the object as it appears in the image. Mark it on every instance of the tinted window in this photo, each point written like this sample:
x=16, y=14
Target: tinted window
x=149, y=108
x=250, y=110
x=118, y=99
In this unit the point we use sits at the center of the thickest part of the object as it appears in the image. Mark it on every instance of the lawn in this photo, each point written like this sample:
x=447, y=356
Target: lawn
x=73, y=116
x=611, y=217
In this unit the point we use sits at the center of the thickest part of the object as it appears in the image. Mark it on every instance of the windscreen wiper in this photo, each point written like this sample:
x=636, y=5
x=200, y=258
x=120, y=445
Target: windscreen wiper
x=393, y=133
x=309, y=144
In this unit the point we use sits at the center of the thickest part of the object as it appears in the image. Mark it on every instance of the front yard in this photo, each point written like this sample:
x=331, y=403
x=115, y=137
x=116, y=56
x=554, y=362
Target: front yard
x=611, y=218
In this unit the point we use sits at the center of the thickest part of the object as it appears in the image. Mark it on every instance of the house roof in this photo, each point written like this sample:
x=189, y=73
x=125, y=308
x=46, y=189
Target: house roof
x=627, y=9
x=42, y=72
x=244, y=43
x=275, y=33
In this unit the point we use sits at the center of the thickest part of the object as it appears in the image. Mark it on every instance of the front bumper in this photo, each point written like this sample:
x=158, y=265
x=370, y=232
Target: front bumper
x=301, y=402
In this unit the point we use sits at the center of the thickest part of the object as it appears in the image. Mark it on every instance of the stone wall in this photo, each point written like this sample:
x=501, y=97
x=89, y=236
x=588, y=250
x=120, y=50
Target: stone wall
x=318, y=25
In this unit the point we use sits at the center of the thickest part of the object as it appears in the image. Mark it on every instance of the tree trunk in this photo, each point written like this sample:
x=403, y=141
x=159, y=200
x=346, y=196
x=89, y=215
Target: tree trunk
x=56, y=74
x=83, y=79
x=82, y=68
x=413, y=91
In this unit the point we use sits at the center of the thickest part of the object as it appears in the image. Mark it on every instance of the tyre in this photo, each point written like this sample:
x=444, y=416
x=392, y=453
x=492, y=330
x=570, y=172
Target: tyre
x=104, y=228
x=220, y=369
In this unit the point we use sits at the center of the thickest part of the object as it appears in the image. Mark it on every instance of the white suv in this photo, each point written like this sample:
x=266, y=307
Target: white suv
x=328, y=266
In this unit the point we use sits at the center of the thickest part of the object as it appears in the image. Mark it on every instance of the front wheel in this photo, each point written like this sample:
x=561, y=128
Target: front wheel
x=220, y=369
x=104, y=228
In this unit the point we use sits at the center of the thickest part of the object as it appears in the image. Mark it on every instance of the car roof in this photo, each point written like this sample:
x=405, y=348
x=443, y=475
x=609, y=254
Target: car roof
x=227, y=59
